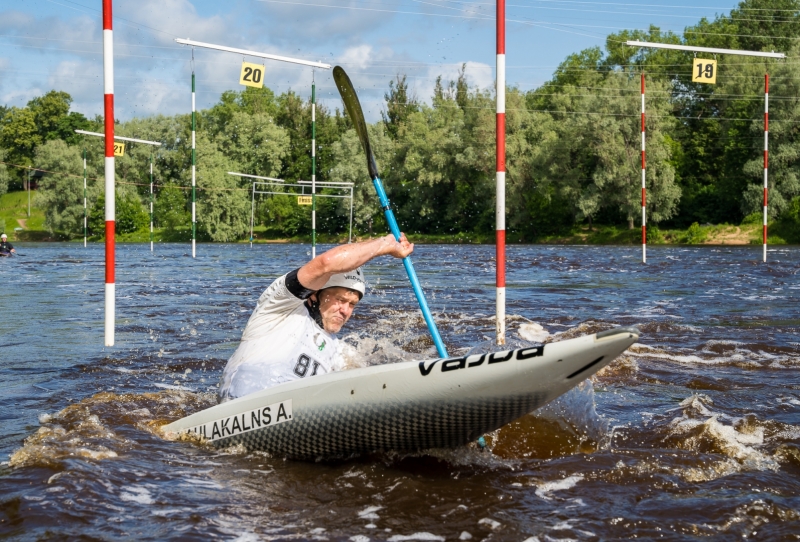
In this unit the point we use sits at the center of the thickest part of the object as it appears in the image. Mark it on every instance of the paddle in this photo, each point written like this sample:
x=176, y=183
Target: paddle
x=353, y=108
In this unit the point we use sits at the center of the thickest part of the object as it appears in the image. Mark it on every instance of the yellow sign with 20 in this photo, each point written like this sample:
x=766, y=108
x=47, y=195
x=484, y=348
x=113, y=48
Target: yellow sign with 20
x=252, y=75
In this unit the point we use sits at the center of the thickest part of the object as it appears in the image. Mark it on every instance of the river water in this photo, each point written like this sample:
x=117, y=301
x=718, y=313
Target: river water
x=694, y=433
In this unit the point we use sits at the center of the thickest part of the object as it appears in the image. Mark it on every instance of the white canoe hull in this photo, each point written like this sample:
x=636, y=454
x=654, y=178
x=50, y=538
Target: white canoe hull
x=405, y=406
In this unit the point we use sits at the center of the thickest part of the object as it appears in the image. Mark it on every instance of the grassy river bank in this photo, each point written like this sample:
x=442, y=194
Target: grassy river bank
x=20, y=226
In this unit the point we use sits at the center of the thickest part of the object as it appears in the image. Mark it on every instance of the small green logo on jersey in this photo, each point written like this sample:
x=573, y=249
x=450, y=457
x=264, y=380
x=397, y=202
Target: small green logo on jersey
x=319, y=345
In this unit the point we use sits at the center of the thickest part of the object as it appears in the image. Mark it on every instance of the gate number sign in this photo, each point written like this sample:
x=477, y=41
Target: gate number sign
x=704, y=71
x=252, y=75
x=119, y=149
x=303, y=200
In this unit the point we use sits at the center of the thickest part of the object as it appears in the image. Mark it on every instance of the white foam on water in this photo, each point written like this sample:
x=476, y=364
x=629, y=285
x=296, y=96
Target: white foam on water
x=545, y=488
x=170, y=511
x=533, y=332
x=172, y=387
x=532, y=539
x=201, y=482
x=415, y=536
x=369, y=512
x=690, y=358
x=359, y=538
x=699, y=428
x=137, y=494
x=465, y=536
x=577, y=408
x=492, y=524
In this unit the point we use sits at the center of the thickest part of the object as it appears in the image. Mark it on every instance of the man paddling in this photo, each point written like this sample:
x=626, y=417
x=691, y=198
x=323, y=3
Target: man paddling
x=292, y=331
x=5, y=246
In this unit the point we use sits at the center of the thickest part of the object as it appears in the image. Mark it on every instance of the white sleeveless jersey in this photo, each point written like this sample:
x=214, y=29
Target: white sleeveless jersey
x=281, y=342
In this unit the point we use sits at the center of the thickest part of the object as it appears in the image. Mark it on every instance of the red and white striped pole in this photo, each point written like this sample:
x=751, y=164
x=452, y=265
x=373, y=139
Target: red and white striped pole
x=108, y=111
x=500, y=211
x=766, y=156
x=644, y=194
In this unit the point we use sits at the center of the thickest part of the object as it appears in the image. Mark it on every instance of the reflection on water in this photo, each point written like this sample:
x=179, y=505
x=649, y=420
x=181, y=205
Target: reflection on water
x=694, y=432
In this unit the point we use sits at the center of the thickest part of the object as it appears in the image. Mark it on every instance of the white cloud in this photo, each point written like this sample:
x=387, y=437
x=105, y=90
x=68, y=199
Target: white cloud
x=152, y=73
x=357, y=57
x=20, y=97
x=162, y=20
x=287, y=24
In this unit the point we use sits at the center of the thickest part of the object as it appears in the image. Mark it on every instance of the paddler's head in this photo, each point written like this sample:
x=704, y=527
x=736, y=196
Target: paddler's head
x=4, y=237
x=334, y=302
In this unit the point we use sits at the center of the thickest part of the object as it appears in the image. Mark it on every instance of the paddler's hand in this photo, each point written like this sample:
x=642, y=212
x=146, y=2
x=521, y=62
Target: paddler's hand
x=398, y=249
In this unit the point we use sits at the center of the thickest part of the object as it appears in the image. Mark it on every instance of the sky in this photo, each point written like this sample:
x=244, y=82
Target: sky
x=57, y=44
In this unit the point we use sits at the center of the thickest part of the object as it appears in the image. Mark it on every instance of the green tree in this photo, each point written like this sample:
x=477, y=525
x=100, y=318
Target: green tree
x=784, y=136
x=4, y=176
x=223, y=212
x=20, y=135
x=170, y=209
x=54, y=119
x=351, y=167
x=400, y=103
x=254, y=143
x=590, y=155
x=60, y=193
x=130, y=215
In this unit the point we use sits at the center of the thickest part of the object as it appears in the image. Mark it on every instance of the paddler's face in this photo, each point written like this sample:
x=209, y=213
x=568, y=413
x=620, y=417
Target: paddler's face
x=336, y=306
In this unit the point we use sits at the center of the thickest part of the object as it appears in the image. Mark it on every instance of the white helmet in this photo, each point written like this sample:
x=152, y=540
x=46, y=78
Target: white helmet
x=4, y=236
x=353, y=280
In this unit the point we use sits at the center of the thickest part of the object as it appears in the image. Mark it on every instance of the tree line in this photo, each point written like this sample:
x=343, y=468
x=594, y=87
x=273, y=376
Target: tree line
x=573, y=146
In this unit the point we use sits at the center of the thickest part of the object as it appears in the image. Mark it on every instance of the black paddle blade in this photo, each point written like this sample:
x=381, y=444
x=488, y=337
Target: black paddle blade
x=353, y=107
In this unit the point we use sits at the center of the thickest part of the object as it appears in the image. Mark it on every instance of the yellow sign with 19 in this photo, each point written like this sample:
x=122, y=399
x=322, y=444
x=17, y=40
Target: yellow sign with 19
x=704, y=71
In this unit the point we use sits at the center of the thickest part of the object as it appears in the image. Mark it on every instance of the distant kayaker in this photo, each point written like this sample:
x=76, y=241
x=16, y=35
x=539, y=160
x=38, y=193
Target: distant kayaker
x=5, y=246
x=292, y=332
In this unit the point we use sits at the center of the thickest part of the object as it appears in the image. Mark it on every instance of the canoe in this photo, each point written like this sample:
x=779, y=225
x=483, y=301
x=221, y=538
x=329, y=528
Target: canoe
x=407, y=406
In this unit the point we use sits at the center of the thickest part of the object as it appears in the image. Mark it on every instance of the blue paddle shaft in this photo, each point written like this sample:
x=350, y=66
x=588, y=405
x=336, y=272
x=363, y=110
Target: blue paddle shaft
x=412, y=275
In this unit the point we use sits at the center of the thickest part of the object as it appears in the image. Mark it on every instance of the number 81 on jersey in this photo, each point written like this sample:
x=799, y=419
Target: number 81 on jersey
x=704, y=71
x=252, y=75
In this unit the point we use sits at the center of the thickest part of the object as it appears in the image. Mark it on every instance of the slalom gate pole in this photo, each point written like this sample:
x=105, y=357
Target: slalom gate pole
x=313, y=168
x=644, y=193
x=766, y=157
x=412, y=274
x=110, y=212
x=151, y=202
x=500, y=211
x=85, y=229
x=252, y=214
x=194, y=167
x=350, y=236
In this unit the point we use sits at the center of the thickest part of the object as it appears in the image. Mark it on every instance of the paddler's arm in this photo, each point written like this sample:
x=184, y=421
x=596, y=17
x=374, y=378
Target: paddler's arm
x=316, y=273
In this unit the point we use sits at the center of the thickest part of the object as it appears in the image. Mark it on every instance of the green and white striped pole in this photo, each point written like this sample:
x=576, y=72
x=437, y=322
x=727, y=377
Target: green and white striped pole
x=84, y=199
x=151, y=202
x=313, y=169
x=194, y=165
